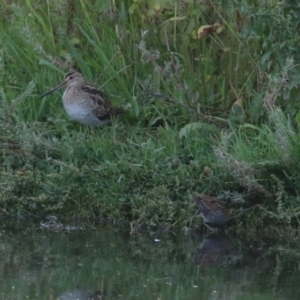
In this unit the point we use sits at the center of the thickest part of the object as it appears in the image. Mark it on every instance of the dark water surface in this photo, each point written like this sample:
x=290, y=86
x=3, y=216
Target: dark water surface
x=38, y=263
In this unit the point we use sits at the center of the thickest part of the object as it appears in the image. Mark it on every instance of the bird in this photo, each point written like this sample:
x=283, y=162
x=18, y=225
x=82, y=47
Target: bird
x=79, y=294
x=213, y=250
x=83, y=103
x=212, y=210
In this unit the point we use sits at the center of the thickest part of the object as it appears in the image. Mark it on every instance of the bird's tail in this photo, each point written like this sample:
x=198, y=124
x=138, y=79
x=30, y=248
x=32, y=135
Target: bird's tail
x=117, y=111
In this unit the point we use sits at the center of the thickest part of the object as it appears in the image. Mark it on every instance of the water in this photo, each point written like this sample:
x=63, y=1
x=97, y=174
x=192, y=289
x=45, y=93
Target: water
x=84, y=264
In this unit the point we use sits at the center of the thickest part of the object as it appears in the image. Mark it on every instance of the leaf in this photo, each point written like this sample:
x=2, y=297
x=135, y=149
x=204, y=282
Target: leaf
x=194, y=34
x=298, y=119
x=75, y=41
x=265, y=57
x=50, y=65
x=251, y=126
x=206, y=30
x=63, y=53
x=237, y=110
x=294, y=81
x=205, y=128
x=155, y=6
x=132, y=8
x=238, y=103
x=176, y=19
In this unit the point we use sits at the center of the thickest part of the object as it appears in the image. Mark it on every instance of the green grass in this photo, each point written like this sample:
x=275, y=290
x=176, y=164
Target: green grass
x=217, y=115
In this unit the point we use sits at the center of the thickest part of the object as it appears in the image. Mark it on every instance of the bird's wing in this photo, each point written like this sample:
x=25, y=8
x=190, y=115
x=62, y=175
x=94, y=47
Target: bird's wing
x=102, y=106
x=103, y=109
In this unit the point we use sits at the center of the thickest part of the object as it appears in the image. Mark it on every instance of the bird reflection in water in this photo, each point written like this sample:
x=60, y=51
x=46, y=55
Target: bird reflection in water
x=213, y=250
x=79, y=294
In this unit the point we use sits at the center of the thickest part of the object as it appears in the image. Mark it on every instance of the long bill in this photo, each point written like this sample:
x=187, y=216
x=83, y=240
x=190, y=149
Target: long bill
x=53, y=90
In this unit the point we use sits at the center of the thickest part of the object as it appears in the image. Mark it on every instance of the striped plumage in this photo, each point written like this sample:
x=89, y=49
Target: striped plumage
x=212, y=210
x=85, y=104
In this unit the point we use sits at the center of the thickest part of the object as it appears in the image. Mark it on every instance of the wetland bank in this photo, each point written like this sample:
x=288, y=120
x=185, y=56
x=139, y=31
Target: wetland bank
x=211, y=109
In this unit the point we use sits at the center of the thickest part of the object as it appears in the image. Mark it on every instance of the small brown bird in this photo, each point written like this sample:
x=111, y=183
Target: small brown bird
x=213, y=211
x=85, y=104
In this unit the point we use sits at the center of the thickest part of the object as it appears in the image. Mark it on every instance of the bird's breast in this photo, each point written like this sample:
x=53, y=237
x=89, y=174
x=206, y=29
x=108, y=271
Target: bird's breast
x=80, y=110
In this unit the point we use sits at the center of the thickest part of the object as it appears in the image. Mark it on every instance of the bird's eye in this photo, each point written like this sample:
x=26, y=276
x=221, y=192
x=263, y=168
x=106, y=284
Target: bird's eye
x=71, y=77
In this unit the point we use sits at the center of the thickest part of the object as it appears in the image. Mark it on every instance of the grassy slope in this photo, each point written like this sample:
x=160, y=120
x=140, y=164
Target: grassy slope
x=220, y=132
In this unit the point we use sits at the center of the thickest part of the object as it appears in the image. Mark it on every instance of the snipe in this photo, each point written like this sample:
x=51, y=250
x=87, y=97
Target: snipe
x=213, y=250
x=85, y=104
x=212, y=210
